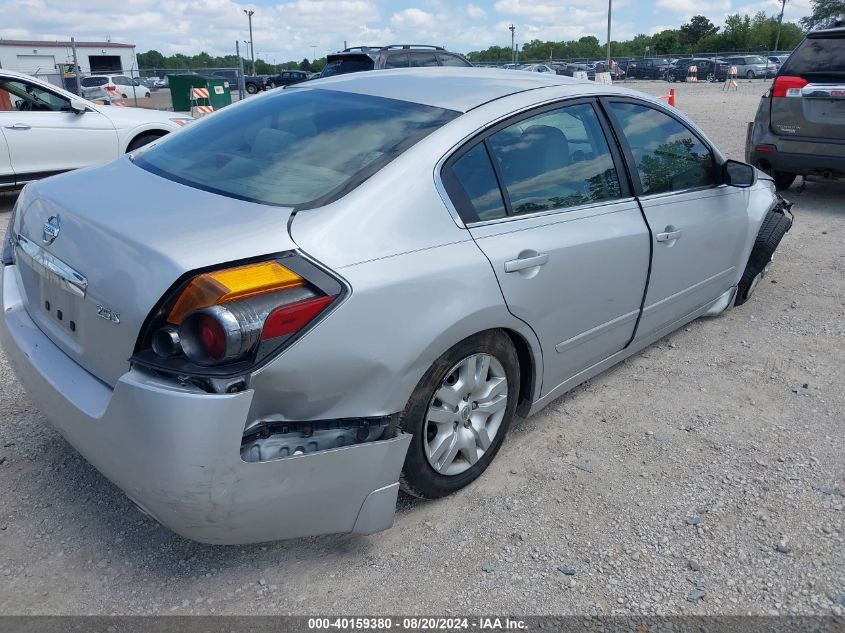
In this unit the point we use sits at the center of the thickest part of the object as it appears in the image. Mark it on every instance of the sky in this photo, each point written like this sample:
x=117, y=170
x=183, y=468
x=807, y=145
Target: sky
x=293, y=29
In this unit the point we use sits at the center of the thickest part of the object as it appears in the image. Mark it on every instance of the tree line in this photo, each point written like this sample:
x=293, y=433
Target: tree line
x=155, y=60
x=740, y=33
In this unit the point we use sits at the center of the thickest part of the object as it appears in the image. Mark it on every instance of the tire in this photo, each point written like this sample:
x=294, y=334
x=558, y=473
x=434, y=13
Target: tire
x=143, y=139
x=711, y=77
x=783, y=180
x=251, y=88
x=771, y=233
x=670, y=78
x=750, y=74
x=419, y=476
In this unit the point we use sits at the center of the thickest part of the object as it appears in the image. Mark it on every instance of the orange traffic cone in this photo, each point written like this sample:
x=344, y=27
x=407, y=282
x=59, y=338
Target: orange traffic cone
x=670, y=98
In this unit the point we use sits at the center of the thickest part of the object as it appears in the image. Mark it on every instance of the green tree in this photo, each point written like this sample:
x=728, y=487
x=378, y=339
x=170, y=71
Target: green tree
x=696, y=29
x=305, y=65
x=825, y=12
x=667, y=41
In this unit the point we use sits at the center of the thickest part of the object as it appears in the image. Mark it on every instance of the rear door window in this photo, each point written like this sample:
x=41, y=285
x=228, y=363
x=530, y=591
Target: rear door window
x=555, y=160
x=817, y=56
x=419, y=60
x=93, y=82
x=396, y=60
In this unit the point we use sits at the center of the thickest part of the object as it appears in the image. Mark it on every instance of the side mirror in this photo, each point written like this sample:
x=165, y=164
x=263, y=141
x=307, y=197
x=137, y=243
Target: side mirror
x=78, y=105
x=737, y=174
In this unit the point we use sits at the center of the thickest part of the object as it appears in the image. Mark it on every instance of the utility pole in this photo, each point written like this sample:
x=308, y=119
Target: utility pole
x=241, y=85
x=609, y=3
x=76, y=68
x=512, y=29
x=249, y=14
x=780, y=21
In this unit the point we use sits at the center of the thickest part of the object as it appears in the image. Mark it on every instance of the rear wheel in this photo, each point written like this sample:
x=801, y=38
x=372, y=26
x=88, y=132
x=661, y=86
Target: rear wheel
x=783, y=179
x=711, y=77
x=251, y=88
x=459, y=415
x=771, y=233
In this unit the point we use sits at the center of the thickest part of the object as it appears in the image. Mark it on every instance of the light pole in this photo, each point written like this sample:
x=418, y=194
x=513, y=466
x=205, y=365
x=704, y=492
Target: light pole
x=780, y=21
x=249, y=14
x=609, y=2
x=512, y=29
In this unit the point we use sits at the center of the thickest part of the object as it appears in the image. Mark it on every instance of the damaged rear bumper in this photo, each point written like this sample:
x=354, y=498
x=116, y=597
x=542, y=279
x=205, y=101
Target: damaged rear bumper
x=175, y=450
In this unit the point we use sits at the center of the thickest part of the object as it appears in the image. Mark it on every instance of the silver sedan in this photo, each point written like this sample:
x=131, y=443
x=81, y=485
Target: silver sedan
x=352, y=285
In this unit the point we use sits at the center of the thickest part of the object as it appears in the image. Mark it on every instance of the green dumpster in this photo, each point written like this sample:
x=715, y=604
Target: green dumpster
x=219, y=95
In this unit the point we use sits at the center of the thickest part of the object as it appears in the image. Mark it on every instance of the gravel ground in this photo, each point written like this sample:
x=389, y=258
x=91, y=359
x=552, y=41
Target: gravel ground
x=705, y=475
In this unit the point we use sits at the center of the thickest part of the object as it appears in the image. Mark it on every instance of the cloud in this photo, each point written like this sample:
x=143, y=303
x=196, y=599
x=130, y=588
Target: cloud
x=412, y=18
x=694, y=7
x=475, y=12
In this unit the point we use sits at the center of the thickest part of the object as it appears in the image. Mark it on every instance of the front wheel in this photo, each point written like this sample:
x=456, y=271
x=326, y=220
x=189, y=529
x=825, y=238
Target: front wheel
x=459, y=415
x=750, y=74
x=711, y=77
x=251, y=88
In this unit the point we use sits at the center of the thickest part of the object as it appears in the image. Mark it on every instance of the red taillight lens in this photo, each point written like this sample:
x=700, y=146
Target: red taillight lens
x=212, y=336
x=785, y=83
x=289, y=319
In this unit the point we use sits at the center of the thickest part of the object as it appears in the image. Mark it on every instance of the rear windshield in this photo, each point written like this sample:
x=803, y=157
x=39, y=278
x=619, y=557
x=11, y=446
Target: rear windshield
x=346, y=65
x=817, y=56
x=299, y=147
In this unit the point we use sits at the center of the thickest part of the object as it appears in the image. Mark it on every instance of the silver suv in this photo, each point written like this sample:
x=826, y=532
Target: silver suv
x=752, y=66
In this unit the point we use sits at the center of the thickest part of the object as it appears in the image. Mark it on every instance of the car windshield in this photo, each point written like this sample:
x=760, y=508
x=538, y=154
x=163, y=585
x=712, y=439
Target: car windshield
x=301, y=147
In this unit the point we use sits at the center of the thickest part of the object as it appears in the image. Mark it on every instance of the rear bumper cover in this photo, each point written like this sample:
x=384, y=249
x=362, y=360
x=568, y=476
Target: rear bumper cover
x=175, y=450
x=800, y=163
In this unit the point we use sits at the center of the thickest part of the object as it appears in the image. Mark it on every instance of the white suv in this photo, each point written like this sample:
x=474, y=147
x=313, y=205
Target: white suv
x=112, y=86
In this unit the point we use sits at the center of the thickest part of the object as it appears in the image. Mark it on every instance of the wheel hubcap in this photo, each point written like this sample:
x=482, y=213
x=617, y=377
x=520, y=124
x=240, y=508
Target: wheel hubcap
x=465, y=414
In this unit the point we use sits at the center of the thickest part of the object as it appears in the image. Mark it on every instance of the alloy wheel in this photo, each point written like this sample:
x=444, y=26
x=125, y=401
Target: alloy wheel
x=465, y=414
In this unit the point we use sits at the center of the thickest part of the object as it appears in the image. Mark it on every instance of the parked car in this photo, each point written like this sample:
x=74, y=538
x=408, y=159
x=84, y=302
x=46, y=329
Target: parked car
x=252, y=83
x=538, y=68
x=146, y=82
x=647, y=68
x=751, y=66
x=112, y=86
x=287, y=77
x=359, y=58
x=706, y=70
x=45, y=130
x=799, y=128
x=573, y=67
x=318, y=346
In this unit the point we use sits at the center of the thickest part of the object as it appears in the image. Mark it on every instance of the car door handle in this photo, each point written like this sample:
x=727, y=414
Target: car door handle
x=522, y=263
x=668, y=236
x=18, y=126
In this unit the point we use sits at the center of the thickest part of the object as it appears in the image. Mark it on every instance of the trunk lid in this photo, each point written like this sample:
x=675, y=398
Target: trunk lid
x=813, y=80
x=93, y=265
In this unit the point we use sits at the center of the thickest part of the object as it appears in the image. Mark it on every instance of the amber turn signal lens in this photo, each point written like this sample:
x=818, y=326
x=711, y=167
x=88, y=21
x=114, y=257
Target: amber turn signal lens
x=233, y=283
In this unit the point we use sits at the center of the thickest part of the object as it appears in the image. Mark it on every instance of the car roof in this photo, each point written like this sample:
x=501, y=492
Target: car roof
x=458, y=89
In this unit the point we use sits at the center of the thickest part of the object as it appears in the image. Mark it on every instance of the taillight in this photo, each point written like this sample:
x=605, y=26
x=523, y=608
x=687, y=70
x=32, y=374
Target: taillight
x=787, y=86
x=237, y=317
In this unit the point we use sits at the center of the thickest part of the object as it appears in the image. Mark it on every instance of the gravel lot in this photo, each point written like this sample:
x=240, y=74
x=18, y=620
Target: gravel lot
x=705, y=475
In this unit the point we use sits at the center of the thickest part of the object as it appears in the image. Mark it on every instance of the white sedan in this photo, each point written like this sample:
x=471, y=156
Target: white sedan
x=45, y=130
